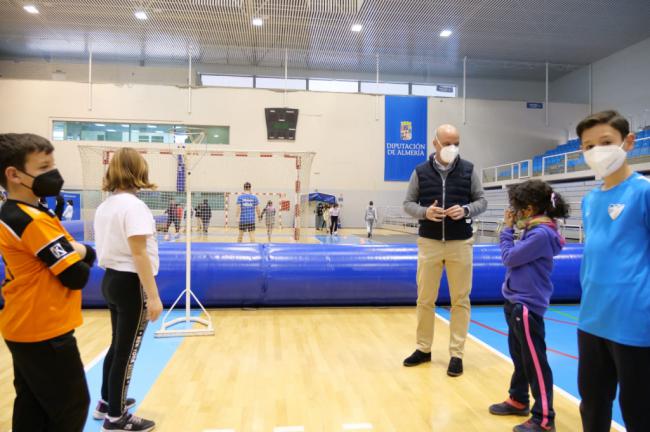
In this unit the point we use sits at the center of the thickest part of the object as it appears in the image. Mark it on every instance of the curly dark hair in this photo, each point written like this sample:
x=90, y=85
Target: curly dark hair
x=541, y=197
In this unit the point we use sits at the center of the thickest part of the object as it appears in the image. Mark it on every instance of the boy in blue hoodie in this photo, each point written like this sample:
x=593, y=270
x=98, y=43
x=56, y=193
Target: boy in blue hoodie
x=528, y=289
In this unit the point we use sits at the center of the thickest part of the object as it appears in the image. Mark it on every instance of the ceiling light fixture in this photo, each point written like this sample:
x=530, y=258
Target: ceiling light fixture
x=141, y=15
x=356, y=28
x=258, y=22
x=31, y=9
x=445, y=33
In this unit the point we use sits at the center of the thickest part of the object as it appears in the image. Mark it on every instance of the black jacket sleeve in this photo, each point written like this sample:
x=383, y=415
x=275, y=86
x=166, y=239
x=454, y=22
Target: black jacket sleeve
x=76, y=276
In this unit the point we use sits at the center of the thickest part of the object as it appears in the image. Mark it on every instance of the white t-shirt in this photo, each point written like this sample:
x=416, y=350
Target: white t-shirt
x=68, y=212
x=121, y=216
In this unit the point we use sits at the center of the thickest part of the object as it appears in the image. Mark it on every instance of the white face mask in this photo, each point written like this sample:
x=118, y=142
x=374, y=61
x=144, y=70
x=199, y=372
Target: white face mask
x=605, y=160
x=449, y=154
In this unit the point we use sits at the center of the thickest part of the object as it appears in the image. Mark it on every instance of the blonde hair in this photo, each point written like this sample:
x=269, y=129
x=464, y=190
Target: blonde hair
x=127, y=170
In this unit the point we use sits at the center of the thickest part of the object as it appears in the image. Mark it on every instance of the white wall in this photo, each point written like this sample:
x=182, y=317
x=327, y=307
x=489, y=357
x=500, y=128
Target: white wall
x=505, y=131
x=622, y=81
x=572, y=88
x=345, y=131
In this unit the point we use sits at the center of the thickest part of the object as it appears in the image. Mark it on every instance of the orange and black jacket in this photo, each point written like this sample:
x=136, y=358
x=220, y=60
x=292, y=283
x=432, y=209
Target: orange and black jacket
x=43, y=274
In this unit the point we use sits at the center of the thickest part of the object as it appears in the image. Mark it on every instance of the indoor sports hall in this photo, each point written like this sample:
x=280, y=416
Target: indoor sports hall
x=284, y=138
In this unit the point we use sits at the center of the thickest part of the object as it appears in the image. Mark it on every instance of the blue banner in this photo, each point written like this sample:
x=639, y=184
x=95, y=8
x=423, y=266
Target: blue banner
x=406, y=136
x=75, y=197
x=180, y=174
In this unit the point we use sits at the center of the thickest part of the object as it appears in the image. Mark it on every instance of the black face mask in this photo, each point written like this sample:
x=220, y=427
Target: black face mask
x=46, y=184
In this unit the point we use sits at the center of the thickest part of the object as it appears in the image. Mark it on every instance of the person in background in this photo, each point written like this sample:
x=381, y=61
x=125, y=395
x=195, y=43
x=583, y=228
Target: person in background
x=173, y=217
x=335, y=213
x=60, y=205
x=371, y=217
x=268, y=214
x=247, y=208
x=319, y=216
x=68, y=213
x=326, y=217
x=204, y=213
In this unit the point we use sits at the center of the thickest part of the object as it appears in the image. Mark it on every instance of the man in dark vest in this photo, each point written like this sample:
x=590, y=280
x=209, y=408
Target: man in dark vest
x=444, y=193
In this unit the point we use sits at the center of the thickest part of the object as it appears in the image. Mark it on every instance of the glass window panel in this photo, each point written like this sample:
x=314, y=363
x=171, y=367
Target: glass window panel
x=337, y=86
x=385, y=88
x=132, y=132
x=436, y=90
x=226, y=81
x=281, y=83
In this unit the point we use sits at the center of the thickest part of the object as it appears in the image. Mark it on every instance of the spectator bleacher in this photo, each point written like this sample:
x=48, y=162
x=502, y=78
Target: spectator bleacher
x=565, y=158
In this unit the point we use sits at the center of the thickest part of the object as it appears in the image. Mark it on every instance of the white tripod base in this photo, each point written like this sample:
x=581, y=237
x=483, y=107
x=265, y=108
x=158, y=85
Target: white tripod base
x=166, y=331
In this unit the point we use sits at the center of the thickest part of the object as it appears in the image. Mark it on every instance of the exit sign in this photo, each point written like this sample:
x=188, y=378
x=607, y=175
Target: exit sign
x=535, y=105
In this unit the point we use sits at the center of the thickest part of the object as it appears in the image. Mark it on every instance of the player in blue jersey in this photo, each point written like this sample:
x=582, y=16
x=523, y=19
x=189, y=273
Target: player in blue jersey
x=614, y=323
x=247, y=212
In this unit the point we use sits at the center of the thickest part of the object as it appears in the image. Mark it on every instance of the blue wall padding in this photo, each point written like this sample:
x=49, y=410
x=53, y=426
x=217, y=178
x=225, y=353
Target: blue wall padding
x=340, y=274
x=227, y=274
x=75, y=228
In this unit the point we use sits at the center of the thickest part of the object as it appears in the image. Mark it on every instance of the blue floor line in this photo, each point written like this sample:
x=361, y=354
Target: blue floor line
x=152, y=359
x=559, y=336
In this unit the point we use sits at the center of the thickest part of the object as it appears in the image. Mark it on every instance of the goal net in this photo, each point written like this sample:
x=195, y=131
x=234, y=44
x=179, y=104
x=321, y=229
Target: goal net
x=197, y=196
x=216, y=181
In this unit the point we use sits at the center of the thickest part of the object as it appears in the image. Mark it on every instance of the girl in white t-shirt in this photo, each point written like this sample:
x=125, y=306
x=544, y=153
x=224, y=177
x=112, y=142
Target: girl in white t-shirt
x=125, y=234
x=334, y=219
x=69, y=211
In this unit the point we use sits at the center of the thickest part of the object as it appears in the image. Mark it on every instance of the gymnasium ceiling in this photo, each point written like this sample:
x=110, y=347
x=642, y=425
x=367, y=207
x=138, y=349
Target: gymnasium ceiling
x=508, y=39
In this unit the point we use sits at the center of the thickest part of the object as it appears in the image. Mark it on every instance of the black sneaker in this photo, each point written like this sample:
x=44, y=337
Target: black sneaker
x=510, y=407
x=128, y=423
x=101, y=410
x=455, y=367
x=531, y=426
x=417, y=358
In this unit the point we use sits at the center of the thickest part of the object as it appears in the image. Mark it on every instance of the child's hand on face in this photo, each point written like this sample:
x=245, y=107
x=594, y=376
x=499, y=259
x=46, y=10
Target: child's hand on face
x=509, y=218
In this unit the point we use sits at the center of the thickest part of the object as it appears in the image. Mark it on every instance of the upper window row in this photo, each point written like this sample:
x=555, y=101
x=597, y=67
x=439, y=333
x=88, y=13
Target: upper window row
x=336, y=86
x=136, y=132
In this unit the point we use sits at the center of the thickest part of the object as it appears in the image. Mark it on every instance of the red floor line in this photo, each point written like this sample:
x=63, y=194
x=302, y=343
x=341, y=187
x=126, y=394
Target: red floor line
x=561, y=353
x=490, y=328
x=502, y=333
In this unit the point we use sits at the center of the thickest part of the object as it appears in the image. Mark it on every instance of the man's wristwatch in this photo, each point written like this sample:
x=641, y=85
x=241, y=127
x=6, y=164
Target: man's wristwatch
x=466, y=209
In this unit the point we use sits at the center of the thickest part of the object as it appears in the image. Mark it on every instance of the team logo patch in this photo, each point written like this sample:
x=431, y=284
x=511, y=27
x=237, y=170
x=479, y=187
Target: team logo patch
x=615, y=210
x=406, y=130
x=58, y=251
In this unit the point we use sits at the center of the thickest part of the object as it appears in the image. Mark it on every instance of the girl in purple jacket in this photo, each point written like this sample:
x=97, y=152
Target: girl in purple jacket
x=534, y=208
